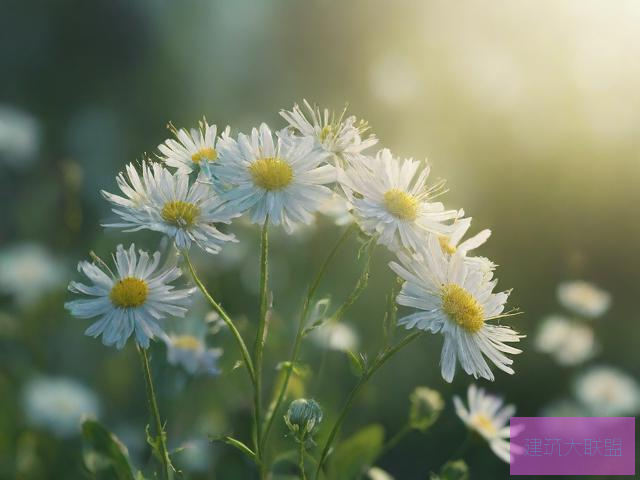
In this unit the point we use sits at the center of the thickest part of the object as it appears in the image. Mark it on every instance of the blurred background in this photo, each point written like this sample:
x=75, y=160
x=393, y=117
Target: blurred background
x=529, y=109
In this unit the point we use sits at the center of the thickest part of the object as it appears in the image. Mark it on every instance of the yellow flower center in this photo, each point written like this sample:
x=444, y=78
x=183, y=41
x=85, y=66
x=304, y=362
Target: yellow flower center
x=446, y=246
x=462, y=308
x=271, y=173
x=326, y=132
x=401, y=204
x=187, y=342
x=206, y=153
x=180, y=213
x=483, y=423
x=129, y=292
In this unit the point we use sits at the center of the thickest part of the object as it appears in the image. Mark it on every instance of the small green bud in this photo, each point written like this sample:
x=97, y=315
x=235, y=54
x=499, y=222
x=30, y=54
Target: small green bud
x=303, y=418
x=426, y=406
x=453, y=470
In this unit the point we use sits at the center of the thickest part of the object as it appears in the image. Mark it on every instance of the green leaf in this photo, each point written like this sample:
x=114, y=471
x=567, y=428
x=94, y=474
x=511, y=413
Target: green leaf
x=104, y=455
x=355, y=454
x=358, y=363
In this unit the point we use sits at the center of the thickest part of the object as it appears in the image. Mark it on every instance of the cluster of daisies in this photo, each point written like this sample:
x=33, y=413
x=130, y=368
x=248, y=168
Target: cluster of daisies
x=204, y=178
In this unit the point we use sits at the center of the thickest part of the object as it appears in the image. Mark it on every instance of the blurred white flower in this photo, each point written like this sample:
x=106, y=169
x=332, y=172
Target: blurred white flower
x=192, y=149
x=564, y=408
x=284, y=180
x=58, y=404
x=376, y=473
x=608, y=392
x=390, y=199
x=338, y=209
x=27, y=271
x=165, y=202
x=488, y=416
x=333, y=133
x=132, y=300
x=568, y=342
x=195, y=455
x=192, y=354
x=584, y=298
x=19, y=137
x=336, y=336
x=456, y=298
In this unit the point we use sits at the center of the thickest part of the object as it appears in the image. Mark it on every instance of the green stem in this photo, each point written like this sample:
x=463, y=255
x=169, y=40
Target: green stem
x=161, y=436
x=381, y=359
x=303, y=474
x=260, y=335
x=225, y=317
x=273, y=410
x=393, y=441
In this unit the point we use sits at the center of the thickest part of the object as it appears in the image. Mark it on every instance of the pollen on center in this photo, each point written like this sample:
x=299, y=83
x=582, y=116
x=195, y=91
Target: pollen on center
x=446, y=246
x=130, y=292
x=180, y=213
x=401, y=204
x=462, y=307
x=187, y=342
x=206, y=153
x=271, y=173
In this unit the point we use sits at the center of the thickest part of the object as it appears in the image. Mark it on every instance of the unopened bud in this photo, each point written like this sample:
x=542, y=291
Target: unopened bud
x=303, y=418
x=426, y=406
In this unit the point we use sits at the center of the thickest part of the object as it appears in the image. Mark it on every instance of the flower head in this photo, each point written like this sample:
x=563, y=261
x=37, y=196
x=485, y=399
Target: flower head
x=390, y=198
x=165, y=202
x=569, y=342
x=58, y=404
x=426, y=406
x=131, y=300
x=584, y=298
x=191, y=149
x=192, y=354
x=303, y=418
x=608, y=392
x=456, y=298
x=279, y=179
x=488, y=416
x=330, y=132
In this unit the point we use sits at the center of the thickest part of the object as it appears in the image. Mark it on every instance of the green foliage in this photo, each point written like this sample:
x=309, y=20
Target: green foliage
x=105, y=457
x=453, y=470
x=355, y=454
x=285, y=466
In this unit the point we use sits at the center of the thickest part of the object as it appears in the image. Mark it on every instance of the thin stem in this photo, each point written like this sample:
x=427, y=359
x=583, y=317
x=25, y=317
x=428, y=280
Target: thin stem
x=225, y=317
x=161, y=436
x=303, y=474
x=273, y=410
x=393, y=441
x=260, y=335
x=380, y=360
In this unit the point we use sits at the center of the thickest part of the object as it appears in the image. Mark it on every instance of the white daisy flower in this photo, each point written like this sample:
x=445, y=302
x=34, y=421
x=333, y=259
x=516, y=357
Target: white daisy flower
x=584, y=298
x=457, y=299
x=334, y=134
x=568, y=342
x=488, y=416
x=164, y=202
x=20, y=137
x=336, y=336
x=284, y=180
x=390, y=198
x=608, y=392
x=58, y=404
x=338, y=209
x=132, y=300
x=191, y=149
x=28, y=271
x=192, y=354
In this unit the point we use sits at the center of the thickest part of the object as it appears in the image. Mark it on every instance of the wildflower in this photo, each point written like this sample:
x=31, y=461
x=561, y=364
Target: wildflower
x=132, y=300
x=282, y=180
x=457, y=299
x=488, y=416
x=569, y=342
x=334, y=134
x=192, y=149
x=303, y=418
x=337, y=209
x=164, y=202
x=58, y=404
x=192, y=354
x=28, y=271
x=376, y=473
x=20, y=137
x=584, y=298
x=336, y=336
x=608, y=392
x=426, y=407
x=390, y=199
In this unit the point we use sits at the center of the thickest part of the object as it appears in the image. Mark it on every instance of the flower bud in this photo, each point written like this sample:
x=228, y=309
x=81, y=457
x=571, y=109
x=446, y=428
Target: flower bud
x=426, y=406
x=303, y=418
x=453, y=470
